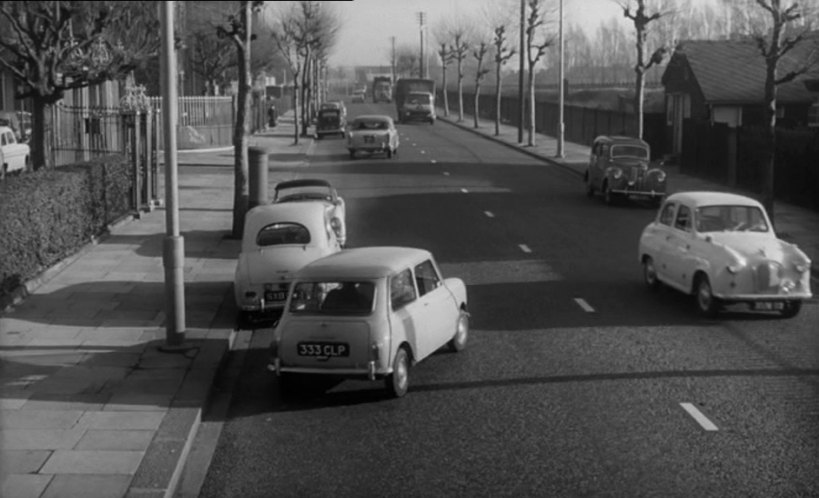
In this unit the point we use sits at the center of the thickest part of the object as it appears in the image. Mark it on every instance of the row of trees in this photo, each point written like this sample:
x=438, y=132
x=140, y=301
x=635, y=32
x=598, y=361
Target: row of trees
x=656, y=26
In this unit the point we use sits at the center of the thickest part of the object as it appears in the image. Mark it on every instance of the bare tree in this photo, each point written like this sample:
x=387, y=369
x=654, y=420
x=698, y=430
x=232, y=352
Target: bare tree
x=641, y=21
x=210, y=55
x=502, y=54
x=480, y=72
x=54, y=46
x=406, y=60
x=535, y=49
x=446, y=56
x=460, y=49
x=785, y=35
x=286, y=36
x=238, y=28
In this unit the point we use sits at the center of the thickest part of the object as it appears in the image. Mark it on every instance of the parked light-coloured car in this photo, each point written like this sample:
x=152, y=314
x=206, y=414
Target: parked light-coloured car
x=722, y=248
x=620, y=167
x=278, y=240
x=368, y=313
x=373, y=134
x=14, y=156
x=316, y=190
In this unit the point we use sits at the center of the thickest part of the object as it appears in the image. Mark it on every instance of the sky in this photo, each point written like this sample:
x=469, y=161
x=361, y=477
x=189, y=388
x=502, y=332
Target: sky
x=368, y=25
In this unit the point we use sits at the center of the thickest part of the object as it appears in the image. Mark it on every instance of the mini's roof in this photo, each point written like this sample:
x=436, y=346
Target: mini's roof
x=706, y=198
x=621, y=139
x=363, y=263
x=373, y=117
x=303, y=182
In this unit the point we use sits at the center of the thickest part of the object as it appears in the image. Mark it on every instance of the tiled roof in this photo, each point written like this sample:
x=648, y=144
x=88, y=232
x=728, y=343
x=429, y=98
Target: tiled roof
x=731, y=71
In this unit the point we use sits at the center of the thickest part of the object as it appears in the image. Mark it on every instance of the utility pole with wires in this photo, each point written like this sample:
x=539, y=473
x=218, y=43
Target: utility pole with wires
x=560, y=125
x=422, y=19
x=521, y=100
x=392, y=60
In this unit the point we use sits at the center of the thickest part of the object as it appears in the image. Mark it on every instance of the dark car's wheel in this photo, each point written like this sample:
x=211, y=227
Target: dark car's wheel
x=389, y=153
x=589, y=186
x=608, y=195
x=707, y=304
x=650, y=273
x=458, y=341
x=791, y=309
x=352, y=153
x=397, y=382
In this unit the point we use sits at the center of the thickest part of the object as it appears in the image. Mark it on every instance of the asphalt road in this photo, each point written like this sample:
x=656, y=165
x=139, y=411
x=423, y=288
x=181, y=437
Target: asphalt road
x=577, y=381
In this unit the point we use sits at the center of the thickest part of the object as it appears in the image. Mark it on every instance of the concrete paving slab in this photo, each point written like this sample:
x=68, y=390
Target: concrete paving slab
x=22, y=461
x=40, y=439
x=115, y=440
x=24, y=486
x=92, y=462
x=39, y=419
x=87, y=486
x=79, y=402
x=149, y=420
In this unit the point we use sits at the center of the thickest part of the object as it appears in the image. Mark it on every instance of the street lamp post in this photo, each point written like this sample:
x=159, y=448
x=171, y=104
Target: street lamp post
x=521, y=102
x=560, y=124
x=422, y=18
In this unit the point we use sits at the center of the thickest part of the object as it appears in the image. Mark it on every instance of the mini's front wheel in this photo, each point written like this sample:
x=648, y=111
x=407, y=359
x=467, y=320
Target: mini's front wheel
x=397, y=382
x=458, y=341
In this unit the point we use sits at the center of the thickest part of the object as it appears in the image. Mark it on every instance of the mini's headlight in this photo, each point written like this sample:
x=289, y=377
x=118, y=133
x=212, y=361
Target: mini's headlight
x=734, y=268
x=801, y=267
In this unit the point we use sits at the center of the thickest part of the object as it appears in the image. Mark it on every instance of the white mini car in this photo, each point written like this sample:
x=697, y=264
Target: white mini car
x=722, y=248
x=14, y=156
x=368, y=313
x=278, y=240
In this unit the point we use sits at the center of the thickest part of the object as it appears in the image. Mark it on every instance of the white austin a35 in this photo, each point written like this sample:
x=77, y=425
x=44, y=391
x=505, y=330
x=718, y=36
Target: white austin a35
x=278, y=240
x=722, y=248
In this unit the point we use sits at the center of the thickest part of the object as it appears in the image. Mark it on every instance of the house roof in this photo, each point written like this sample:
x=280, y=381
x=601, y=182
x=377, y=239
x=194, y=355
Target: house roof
x=733, y=71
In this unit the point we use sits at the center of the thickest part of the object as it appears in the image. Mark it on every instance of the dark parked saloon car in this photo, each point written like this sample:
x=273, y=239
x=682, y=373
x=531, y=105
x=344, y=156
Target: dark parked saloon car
x=620, y=167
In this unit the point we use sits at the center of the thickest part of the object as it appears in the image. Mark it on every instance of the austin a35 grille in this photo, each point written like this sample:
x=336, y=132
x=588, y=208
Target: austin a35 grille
x=768, y=277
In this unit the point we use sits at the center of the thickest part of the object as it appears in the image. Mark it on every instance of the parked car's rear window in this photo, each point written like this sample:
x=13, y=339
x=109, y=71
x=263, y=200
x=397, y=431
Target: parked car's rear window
x=370, y=125
x=629, y=151
x=333, y=297
x=730, y=218
x=418, y=99
x=283, y=233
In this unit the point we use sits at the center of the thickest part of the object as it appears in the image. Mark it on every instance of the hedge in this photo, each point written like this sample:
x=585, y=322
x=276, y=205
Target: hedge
x=48, y=215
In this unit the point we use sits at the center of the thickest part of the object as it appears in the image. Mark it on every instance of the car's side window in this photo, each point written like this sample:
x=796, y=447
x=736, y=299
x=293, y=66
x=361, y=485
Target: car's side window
x=402, y=289
x=683, y=221
x=426, y=277
x=667, y=216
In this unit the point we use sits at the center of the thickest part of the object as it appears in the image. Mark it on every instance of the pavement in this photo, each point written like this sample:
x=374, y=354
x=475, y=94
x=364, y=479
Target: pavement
x=93, y=403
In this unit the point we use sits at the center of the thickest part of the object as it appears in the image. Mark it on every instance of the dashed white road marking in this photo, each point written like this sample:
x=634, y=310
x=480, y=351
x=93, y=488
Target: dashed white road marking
x=433, y=161
x=446, y=173
x=699, y=417
x=465, y=191
x=413, y=145
x=489, y=214
x=524, y=248
x=423, y=152
x=583, y=304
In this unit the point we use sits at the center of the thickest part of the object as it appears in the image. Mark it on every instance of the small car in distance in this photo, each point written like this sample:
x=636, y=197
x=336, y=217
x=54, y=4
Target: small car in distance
x=722, y=248
x=316, y=190
x=368, y=313
x=278, y=240
x=373, y=134
x=620, y=167
x=330, y=122
x=15, y=156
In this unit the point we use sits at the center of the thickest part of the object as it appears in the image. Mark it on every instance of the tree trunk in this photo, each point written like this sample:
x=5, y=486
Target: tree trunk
x=296, y=120
x=305, y=96
x=475, y=110
x=241, y=190
x=531, y=105
x=460, y=92
x=41, y=138
x=497, y=99
x=769, y=154
x=638, y=101
x=446, y=97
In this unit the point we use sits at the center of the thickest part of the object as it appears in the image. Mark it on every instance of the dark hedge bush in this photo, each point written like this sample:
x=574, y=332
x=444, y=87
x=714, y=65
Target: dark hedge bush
x=47, y=215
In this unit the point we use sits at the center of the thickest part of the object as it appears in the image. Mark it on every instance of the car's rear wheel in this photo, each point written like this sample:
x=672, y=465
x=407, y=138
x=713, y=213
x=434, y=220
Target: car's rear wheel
x=352, y=153
x=707, y=304
x=608, y=195
x=589, y=186
x=397, y=382
x=458, y=341
x=791, y=309
x=389, y=153
x=650, y=273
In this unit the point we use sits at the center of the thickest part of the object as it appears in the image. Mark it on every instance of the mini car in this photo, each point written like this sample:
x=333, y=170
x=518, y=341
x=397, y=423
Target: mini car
x=620, y=167
x=278, y=240
x=369, y=313
x=373, y=133
x=330, y=122
x=316, y=190
x=15, y=156
x=722, y=248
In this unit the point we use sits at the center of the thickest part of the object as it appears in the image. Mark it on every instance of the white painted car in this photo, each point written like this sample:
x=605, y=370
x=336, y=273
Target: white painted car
x=15, y=156
x=316, y=190
x=368, y=313
x=722, y=248
x=278, y=240
x=372, y=133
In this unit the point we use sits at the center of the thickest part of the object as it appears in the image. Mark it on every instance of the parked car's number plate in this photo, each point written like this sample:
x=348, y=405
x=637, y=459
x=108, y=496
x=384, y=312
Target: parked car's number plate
x=369, y=139
x=323, y=349
x=768, y=305
x=275, y=295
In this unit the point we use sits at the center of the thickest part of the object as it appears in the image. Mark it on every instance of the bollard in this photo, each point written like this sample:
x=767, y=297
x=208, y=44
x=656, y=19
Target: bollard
x=257, y=181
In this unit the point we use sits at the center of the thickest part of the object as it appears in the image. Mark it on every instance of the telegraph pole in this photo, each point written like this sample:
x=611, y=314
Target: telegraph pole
x=422, y=17
x=173, y=250
x=560, y=125
x=392, y=61
x=522, y=106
